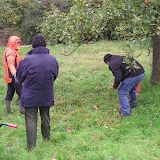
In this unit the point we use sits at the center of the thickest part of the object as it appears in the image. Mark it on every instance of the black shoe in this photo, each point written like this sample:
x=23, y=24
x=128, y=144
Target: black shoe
x=123, y=115
x=133, y=106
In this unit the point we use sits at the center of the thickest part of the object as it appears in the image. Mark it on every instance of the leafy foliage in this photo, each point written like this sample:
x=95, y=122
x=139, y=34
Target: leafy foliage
x=124, y=19
x=10, y=13
x=21, y=17
x=32, y=18
x=139, y=21
x=84, y=22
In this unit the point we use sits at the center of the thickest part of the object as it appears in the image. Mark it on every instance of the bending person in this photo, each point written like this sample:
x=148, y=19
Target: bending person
x=126, y=79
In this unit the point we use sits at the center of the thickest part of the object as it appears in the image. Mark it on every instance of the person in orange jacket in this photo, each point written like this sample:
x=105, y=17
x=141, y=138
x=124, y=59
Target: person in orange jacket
x=11, y=60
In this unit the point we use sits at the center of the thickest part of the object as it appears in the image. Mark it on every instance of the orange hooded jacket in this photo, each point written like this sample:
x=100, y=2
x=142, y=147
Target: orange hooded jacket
x=11, y=58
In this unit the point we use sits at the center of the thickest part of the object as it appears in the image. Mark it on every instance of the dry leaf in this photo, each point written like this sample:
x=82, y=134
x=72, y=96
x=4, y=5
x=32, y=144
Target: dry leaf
x=69, y=130
x=96, y=107
x=54, y=157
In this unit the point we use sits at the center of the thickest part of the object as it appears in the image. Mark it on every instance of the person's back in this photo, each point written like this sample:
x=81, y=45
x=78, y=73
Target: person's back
x=41, y=69
x=122, y=70
x=128, y=70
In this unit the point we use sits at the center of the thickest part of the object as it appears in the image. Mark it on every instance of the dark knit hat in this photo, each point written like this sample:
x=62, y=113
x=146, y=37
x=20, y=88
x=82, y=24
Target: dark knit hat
x=107, y=57
x=38, y=41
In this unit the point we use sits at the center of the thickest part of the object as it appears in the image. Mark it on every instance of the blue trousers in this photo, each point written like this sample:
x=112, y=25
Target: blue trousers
x=128, y=87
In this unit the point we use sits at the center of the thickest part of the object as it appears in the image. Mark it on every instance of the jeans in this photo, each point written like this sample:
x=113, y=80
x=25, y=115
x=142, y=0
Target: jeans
x=31, y=124
x=12, y=87
x=128, y=86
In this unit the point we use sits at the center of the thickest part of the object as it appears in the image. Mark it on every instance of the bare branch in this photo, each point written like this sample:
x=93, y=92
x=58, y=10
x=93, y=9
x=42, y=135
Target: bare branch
x=64, y=54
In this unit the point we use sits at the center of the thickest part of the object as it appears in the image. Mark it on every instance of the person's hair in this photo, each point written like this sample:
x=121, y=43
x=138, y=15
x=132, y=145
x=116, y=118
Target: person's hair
x=38, y=41
x=107, y=57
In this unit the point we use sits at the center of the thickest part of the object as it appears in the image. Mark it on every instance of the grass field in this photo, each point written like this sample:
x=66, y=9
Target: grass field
x=85, y=124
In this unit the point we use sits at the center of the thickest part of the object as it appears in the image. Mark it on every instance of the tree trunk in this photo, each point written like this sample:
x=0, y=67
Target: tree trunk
x=155, y=78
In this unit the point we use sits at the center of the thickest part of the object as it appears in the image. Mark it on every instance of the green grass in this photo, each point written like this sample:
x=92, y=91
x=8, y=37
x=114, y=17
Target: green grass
x=85, y=124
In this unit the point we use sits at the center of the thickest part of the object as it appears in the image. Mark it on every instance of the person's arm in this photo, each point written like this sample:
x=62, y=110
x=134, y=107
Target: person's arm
x=10, y=58
x=22, y=71
x=56, y=70
x=117, y=73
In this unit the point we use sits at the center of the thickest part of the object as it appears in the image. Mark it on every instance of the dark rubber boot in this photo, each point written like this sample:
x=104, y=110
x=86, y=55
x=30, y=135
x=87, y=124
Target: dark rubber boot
x=8, y=106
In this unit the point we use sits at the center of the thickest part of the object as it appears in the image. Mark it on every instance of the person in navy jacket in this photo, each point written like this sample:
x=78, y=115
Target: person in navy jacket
x=37, y=72
x=126, y=78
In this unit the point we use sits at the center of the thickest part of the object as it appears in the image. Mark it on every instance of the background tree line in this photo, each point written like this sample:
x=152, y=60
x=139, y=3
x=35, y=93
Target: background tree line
x=28, y=17
x=23, y=17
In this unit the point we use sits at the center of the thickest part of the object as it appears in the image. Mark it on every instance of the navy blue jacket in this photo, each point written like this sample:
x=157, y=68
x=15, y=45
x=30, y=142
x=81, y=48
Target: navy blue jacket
x=121, y=70
x=38, y=72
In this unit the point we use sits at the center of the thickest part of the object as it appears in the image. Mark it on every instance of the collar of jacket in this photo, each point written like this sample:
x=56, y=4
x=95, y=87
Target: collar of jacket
x=39, y=50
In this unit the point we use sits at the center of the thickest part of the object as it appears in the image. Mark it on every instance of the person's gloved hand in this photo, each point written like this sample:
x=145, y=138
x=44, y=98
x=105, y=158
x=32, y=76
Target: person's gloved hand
x=16, y=80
